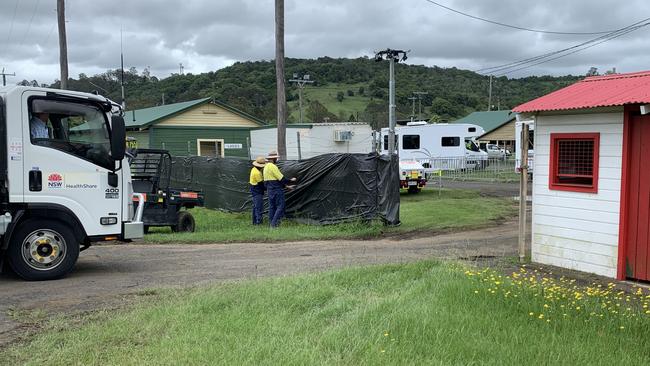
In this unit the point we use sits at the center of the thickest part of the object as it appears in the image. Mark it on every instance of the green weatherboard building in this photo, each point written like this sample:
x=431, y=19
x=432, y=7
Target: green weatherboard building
x=203, y=127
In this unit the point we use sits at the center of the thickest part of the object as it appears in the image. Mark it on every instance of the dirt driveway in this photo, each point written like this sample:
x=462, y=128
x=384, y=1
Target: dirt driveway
x=106, y=274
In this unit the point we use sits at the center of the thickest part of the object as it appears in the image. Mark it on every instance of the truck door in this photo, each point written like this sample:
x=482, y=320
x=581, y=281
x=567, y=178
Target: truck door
x=66, y=160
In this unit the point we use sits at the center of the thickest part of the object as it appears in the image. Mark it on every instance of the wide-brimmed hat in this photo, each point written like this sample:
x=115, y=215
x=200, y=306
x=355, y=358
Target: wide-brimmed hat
x=259, y=162
x=273, y=155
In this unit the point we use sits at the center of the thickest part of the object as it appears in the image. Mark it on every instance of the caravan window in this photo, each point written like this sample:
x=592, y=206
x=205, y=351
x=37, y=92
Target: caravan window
x=396, y=142
x=450, y=141
x=411, y=142
x=471, y=129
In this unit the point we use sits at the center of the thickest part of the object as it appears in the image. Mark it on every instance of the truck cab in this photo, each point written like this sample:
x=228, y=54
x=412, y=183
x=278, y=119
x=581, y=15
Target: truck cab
x=64, y=179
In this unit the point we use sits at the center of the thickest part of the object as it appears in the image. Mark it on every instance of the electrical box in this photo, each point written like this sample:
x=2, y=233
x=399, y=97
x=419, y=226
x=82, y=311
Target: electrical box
x=342, y=136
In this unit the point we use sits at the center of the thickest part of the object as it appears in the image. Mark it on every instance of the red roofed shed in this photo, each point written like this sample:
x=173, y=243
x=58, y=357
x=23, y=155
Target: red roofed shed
x=591, y=191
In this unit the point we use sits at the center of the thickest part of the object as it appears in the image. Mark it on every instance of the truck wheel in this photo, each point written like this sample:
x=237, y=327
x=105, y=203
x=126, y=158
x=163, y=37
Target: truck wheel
x=42, y=249
x=184, y=223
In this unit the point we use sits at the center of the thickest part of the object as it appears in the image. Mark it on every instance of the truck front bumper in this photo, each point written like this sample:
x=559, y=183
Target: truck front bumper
x=135, y=228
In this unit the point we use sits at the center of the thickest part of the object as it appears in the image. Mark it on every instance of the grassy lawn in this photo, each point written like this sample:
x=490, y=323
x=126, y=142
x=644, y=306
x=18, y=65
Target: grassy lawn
x=423, y=212
x=422, y=313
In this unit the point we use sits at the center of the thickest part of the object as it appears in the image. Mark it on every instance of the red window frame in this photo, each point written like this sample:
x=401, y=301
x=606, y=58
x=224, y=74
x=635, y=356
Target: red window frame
x=553, y=182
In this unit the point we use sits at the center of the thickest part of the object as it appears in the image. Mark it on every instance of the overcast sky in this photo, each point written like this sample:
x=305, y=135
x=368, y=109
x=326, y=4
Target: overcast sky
x=207, y=35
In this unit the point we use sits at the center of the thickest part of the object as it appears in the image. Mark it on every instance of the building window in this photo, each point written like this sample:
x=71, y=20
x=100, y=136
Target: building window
x=450, y=141
x=396, y=142
x=574, y=162
x=209, y=147
x=411, y=142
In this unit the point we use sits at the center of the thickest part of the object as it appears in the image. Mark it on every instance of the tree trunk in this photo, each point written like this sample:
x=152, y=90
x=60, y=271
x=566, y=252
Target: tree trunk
x=279, y=78
x=63, y=44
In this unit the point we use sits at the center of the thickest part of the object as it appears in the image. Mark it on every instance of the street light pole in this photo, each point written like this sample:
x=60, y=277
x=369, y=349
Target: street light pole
x=301, y=81
x=392, y=56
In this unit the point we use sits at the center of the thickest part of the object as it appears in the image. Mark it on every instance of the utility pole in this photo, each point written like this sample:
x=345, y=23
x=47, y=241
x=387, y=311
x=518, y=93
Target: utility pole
x=420, y=94
x=392, y=56
x=4, y=76
x=63, y=44
x=122, y=72
x=300, y=81
x=412, y=99
x=490, y=96
x=281, y=97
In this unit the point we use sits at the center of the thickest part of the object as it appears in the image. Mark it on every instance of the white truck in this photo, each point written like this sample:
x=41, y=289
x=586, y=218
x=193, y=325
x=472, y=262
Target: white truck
x=64, y=179
x=440, y=146
x=411, y=176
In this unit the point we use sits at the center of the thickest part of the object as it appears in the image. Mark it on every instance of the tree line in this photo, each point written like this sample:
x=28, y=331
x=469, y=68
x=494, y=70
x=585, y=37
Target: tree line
x=250, y=86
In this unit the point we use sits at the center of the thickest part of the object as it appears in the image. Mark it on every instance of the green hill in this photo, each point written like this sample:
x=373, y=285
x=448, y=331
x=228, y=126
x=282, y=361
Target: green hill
x=344, y=89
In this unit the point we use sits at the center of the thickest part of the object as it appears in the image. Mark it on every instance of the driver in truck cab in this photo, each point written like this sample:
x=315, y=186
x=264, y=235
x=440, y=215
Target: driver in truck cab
x=38, y=125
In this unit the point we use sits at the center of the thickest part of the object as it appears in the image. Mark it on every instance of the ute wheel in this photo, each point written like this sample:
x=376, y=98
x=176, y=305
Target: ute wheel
x=184, y=223
x=414, y=189
x=42, y=249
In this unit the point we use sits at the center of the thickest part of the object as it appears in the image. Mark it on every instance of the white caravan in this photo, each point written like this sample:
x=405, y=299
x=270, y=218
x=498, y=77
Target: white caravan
x=440, y=146
x=64, y=179
x=531, y=145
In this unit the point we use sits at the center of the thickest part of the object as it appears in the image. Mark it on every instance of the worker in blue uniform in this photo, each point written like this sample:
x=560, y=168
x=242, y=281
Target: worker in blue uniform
x=257, y=188
x=275, y=183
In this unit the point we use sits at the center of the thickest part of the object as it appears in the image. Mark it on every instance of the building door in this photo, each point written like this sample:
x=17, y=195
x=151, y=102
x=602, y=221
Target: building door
x=637, y=261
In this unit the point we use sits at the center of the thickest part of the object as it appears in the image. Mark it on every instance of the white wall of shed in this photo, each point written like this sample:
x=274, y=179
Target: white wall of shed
x=314, y=141
x=265, y=140
x=577, y=230
x=321, y=140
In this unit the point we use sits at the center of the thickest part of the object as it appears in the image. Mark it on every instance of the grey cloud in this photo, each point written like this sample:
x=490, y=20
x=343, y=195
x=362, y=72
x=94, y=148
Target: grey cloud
x=205, y=35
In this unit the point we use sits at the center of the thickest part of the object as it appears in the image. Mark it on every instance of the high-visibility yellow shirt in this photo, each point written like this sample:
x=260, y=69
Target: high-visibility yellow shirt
x=256, y=177
x=271, y=173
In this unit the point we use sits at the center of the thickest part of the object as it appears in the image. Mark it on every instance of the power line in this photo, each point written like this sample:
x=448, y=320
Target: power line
x=515, y=26
x=492, y=69
x=570, y=53
x=29, y=26
x=11, y=27
x=532, y=61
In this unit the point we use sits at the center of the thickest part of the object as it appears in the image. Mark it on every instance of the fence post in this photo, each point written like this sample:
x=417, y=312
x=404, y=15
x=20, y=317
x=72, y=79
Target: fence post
x=523, y=192
x=299, y=149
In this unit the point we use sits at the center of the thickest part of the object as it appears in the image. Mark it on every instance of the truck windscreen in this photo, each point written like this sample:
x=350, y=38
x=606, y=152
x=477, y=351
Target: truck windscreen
x=80, y=129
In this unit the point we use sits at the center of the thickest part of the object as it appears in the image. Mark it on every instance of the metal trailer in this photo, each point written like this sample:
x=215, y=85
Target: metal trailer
x=164, y=205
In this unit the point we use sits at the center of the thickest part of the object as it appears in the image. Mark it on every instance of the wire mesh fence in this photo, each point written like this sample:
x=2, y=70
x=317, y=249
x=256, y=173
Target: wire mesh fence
x=471, y=169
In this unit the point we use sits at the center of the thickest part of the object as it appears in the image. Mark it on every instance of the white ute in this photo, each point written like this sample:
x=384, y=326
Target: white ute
x=65, y=182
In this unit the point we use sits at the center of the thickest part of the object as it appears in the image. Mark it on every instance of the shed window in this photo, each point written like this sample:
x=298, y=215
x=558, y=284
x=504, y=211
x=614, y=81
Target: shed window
x=411, y=142
x=209, y=147
x=574, y=162
x=450, y=141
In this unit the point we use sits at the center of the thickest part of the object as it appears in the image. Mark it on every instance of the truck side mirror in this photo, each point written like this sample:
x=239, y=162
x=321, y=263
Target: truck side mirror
x=118, y=138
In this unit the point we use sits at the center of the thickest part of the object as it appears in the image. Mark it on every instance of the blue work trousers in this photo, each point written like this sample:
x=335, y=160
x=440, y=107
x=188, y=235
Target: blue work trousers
x=276, y=206
x=258, y=207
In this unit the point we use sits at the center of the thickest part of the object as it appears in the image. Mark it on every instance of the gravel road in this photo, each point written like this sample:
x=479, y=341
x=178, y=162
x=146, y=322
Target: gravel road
x=107, y=274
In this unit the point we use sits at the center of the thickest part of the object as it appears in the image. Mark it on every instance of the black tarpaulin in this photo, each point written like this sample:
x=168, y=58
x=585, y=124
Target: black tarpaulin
x=331, y=188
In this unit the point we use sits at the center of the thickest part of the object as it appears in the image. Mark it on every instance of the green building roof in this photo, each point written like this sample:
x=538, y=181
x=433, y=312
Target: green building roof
x=142, y=118
x=488, y=120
